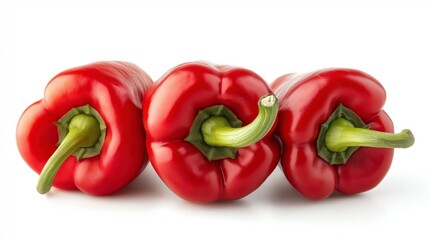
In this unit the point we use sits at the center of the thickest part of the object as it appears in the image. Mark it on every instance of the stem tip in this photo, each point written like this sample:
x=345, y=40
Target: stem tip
x=268, y=100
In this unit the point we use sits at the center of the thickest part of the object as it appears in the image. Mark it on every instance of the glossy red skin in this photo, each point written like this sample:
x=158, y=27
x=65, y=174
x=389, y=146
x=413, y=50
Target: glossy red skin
x=115, y=90
x=170, y=107
x=307, y=101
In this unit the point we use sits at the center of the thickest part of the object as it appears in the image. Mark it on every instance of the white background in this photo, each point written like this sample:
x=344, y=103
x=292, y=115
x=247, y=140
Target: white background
x=389, y=40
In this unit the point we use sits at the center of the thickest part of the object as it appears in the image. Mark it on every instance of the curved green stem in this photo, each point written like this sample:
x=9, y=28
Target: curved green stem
x=217, y=131
x=342, y=134
x=84, y=131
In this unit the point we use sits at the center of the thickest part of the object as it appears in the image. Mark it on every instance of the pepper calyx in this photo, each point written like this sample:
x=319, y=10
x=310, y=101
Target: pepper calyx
x=197, y=139
x=331, y=157
x=63, y=129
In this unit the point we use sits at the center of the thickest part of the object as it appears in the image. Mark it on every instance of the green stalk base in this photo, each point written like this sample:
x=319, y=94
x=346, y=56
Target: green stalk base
x=197, y=139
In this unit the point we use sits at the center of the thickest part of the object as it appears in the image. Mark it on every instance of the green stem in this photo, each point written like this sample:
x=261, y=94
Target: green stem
x=217, y=131
x=84, y=131
x=342, y=134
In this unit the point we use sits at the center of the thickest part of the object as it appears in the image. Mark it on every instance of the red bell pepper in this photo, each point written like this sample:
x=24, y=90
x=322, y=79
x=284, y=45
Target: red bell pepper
x=335, y=132
x=96, y=109
x=193, y=117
